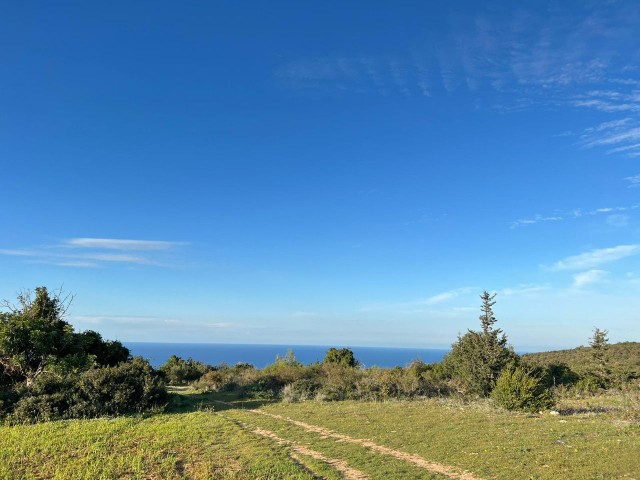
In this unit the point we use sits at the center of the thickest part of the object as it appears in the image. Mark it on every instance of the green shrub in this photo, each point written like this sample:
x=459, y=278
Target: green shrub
x=300, y=391
x=518, y=389
x=182, y=372
x=590, y=384
x=342, y=356
x=129, y=387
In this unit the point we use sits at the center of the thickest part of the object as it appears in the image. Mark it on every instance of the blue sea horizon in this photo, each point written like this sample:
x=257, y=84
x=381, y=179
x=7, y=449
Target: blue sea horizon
x=262, y=355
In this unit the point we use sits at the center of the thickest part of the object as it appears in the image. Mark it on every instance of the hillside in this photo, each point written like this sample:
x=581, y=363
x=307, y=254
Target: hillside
x=622, y=357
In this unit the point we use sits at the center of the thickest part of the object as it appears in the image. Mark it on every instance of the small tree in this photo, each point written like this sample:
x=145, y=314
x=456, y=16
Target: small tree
x=342, y=356
x=477, y=358
x=34, y=335
x=599, y=343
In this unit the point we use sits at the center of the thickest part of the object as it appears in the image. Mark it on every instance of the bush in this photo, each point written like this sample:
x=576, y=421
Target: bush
x=126, y=388
x=182, y=372
x=342, y=356
x=518, y=389
x=300, y=391
x=130, y=387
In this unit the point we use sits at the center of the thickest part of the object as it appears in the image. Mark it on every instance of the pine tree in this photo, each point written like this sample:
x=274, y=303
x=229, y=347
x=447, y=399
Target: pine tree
x=478, y=357
x=599, y=343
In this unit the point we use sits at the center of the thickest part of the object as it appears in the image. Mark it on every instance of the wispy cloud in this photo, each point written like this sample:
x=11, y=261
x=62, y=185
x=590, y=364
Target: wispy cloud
x=595, y=258
x=523, y=289
x=446, y=296
x=581, y=58
x=120, y=244
x=145, y=321
x=436, y=299
x=634, y=181
x=589, y=277
x=575, y=213
x=522, y=51
x=96, y=252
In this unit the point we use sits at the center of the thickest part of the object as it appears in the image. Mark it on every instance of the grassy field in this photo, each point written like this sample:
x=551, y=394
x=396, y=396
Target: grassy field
x=213, y=436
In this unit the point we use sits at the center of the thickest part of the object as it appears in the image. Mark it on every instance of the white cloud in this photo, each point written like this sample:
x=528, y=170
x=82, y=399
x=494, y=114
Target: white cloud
x=522, y=222
x=632, y=134
x=595, y=258
x=586, y=278
x=445, y=296
x=634, y=181
x=97, y=252
x=618, y=220
x=413, y=306
x=119, y=244
x=576, y=213
x=522, y=289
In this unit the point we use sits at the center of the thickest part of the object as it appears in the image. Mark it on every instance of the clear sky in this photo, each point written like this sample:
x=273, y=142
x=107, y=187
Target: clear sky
x=342, y=173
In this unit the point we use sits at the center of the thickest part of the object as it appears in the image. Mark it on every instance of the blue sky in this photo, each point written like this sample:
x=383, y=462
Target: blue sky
x=341, y=173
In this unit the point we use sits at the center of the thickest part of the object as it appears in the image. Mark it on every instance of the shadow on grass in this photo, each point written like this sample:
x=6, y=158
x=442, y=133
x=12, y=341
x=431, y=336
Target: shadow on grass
x=183, y=400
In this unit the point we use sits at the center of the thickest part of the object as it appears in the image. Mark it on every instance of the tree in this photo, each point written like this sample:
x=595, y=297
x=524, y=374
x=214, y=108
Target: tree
x=48, y=371
x=342, y=356
x=477, y=358
x=599, y=343
x=181, y=372
x=34, y=335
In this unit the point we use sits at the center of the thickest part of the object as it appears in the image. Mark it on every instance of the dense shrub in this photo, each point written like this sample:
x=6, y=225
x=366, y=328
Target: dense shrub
x=518, y=389
x=300, y=390
x=129, y=387
x=48, y=371
x=104, y=352
x=559, y=374
x=182, y=372
x=342, y=356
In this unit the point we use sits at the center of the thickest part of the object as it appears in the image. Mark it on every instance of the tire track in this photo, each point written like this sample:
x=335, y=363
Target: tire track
x=446, y=470
x=342, y=466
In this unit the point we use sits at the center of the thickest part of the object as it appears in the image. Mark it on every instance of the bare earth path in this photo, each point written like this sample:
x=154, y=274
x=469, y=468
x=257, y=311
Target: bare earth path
x=340, y=465
x=434, y=467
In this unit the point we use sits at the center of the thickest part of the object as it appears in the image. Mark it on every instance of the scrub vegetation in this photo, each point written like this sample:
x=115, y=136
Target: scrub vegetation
x=483, y=412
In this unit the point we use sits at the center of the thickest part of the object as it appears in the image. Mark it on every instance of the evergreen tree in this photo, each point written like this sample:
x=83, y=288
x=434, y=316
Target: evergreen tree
x=599, y=343
x=477, y=358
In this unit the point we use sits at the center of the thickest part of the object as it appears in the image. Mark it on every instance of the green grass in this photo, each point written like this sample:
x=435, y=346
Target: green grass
x=199, y=445
x=491, y=443
x=203, y=438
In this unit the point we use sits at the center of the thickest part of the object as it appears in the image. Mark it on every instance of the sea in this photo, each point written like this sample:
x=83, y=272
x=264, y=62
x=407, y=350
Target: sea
x=262, y=355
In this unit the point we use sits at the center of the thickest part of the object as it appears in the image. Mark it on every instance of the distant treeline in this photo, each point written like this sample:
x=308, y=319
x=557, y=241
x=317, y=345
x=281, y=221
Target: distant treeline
x=48, y=371
x=480, y=364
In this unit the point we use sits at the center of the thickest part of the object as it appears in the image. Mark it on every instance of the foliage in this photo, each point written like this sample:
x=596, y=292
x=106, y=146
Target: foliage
x=182, y=372
x=342, y=356
x=518, y=389
x=477, y=358
x=129, y=387
x=599, y=343
x=48, y=371
x=104, y=352
x=33, y=336
x=623, y=361
x=300, y=390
